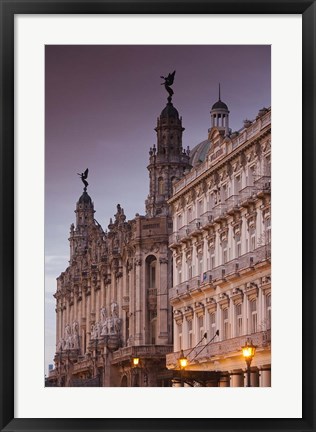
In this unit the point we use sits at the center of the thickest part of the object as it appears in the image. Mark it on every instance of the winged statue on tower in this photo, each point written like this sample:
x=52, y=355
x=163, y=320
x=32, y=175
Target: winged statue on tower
x=168, y=82
x=84, y=177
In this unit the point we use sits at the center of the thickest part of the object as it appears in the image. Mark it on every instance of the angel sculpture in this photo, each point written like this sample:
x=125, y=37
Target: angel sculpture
x=84, y=176
x=168, y=82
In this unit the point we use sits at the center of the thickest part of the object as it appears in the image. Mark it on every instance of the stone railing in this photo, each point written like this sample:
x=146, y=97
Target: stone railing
x=225, y=348
x=82, y=365
x=220, y=272
x=242, y=137
x=141, y=351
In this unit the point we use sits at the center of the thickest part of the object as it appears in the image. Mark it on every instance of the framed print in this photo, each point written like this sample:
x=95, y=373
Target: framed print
x=138, y=252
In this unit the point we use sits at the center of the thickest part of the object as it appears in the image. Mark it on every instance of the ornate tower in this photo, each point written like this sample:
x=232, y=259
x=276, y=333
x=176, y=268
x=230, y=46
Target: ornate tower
x=84, y=220
x=220, y=115
x=168, y=161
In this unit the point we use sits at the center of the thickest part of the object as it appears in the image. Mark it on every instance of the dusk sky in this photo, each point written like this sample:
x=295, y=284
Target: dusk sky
x=101, y=108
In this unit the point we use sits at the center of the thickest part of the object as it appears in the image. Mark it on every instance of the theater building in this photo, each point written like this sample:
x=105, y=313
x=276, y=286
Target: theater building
x=113, y=315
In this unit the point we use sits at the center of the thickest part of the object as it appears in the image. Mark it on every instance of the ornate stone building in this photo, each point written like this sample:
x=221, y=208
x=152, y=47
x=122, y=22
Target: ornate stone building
x=192, y=275
x=112, y=302
x=221, y=243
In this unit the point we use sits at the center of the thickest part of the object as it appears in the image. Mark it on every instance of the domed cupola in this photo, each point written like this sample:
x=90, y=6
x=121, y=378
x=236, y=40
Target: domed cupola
x=169, y=111
x=220, y=115
x=84, y=210
x=85, y=199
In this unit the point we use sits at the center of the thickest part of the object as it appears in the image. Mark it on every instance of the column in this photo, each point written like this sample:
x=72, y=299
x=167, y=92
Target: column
x=265, y=378
x=224, y=380
x=162, y=302
x=138, y=303
x=236, y=379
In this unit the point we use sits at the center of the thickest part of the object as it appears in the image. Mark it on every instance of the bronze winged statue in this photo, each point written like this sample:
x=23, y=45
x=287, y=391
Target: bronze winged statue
x=168, y=82
x=84, y=176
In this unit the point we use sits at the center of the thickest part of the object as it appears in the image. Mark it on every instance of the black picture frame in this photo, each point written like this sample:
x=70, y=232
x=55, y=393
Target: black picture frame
x=8, y=10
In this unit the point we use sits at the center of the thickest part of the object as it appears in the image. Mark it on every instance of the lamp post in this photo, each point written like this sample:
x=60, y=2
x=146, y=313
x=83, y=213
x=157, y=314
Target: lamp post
x=248, y=351
x=183, y=362
x=135, y=371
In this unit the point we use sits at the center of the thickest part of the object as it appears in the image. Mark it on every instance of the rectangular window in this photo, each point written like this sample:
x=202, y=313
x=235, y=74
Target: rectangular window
x=238, y=249
x=180, y=335
x=190, y=334
x=253, y=311
x=225, y=324
x=239, y=331
x=201, y=326
x=200, y=208
x=190, y=271
x=179, y=276
x=179, y=221
x=268, y=312
x=200, y=266
x=212, y=262
x=253, y=243
x=237, y=185
x=225, y=259
x=190, y=215
x=212, y=325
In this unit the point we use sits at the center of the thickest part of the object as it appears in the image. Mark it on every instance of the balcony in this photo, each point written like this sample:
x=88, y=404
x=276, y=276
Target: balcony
x=263, y=185
x=232, y=204
x=226, y=348
x=221, y=272
x=247, y=196
x=141, y=351
x=219, y=211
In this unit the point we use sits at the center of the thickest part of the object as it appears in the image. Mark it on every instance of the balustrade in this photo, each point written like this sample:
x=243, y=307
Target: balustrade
x=220, y=272
x=225, y=348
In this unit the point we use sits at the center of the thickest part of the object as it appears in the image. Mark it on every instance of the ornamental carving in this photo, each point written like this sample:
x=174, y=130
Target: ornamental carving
x=163, y=260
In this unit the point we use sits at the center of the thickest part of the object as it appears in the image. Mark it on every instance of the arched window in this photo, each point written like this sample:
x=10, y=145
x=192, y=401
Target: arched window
x=124, y=381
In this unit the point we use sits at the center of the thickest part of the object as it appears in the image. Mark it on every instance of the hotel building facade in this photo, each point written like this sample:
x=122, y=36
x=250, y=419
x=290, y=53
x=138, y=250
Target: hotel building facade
x=221, y=243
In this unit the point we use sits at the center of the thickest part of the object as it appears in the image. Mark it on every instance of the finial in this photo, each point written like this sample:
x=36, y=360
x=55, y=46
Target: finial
x=168, y=82
x=84, y=176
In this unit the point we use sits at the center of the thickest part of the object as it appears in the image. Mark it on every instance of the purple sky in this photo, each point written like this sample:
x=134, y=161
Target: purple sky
x=101, y=108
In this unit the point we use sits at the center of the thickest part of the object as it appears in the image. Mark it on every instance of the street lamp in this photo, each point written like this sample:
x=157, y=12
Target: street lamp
x=183, y=361
x=248, y=351
x=135, y=361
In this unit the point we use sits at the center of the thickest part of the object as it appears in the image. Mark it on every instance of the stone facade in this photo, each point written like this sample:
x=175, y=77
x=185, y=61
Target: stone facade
x=112, y=301
x=222, y=253
x=193, y=274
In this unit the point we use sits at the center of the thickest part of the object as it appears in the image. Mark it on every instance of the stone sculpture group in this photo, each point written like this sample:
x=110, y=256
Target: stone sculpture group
x=107, y=325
